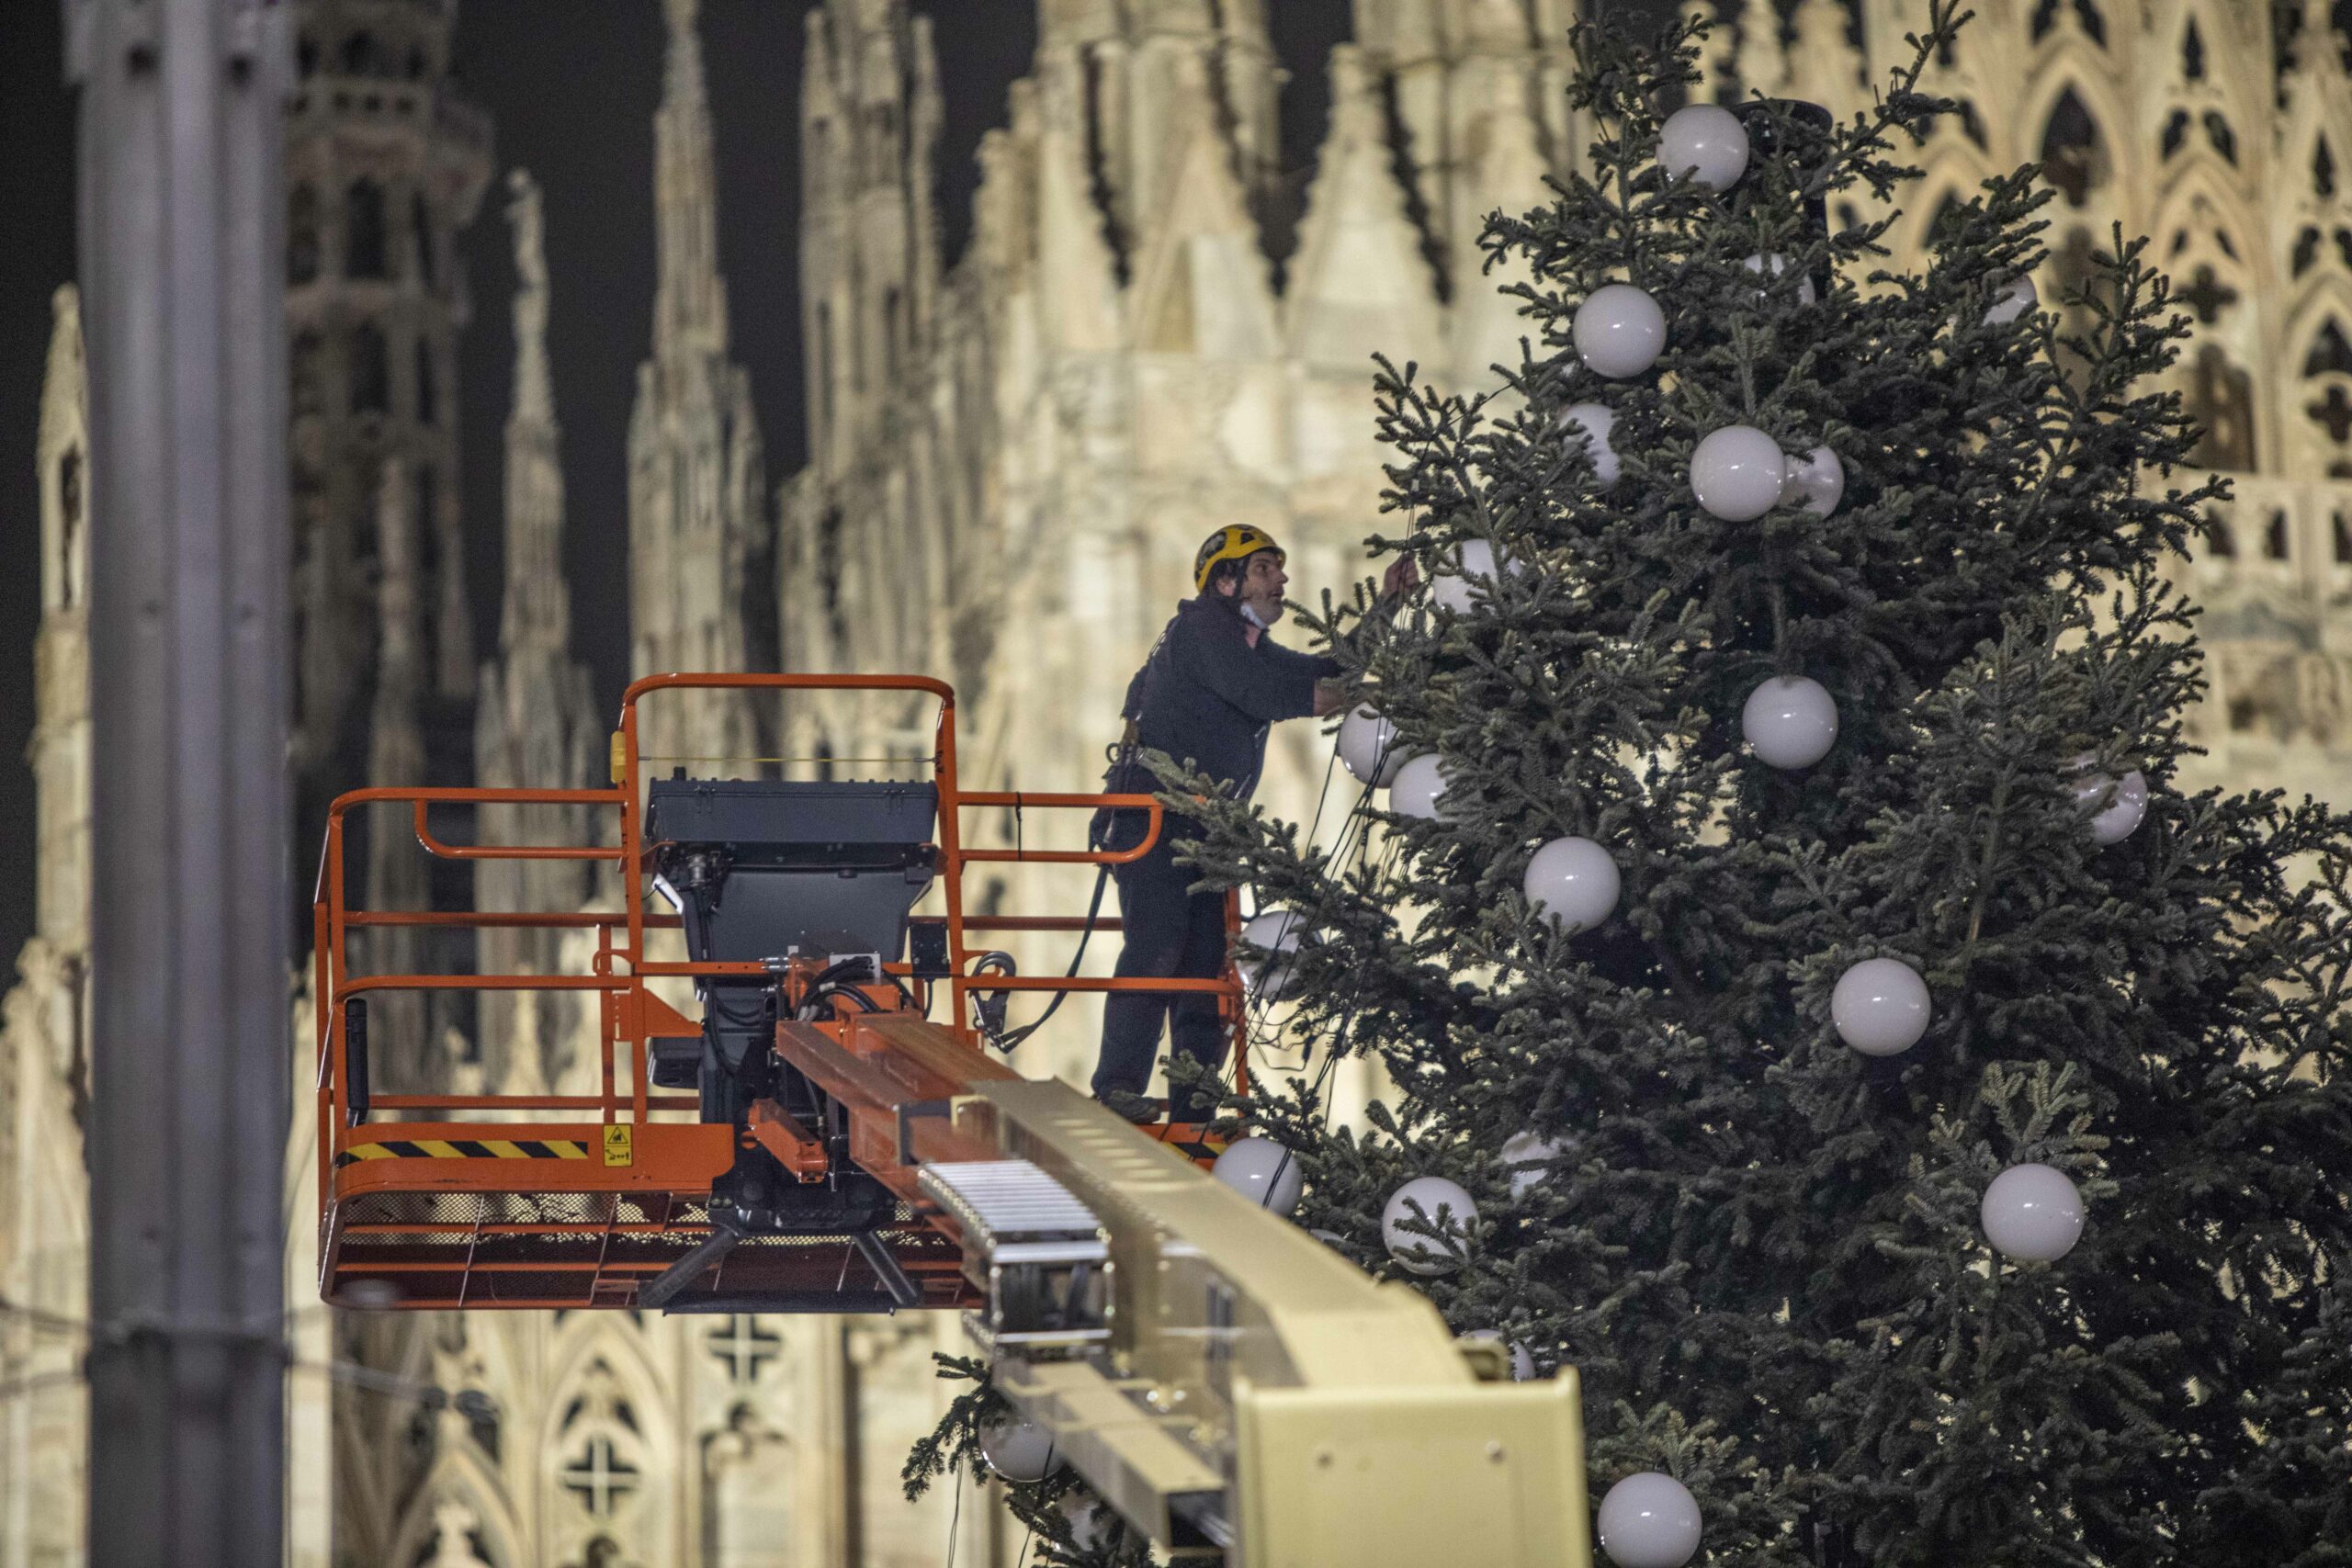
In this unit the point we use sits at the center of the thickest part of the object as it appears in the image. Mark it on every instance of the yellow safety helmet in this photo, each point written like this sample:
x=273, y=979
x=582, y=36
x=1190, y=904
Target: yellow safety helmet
x=1236, y=541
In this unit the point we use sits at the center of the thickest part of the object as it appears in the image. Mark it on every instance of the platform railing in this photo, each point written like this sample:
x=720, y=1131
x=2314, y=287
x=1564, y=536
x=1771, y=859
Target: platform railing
x=630, y=1013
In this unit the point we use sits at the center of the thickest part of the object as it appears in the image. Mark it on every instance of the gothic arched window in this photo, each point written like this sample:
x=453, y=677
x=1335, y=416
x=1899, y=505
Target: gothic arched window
x=2192, y=53
x=1948, y=215
x=2323, y=167
x=303, y=234
x=824, y=359
x=2175, y=131
x=307, y=359
x=2327, y=374
x=361, y=57
x=424, y=501
x=371, y=370
x=2218, y=132
x=366, y=253
x=2073, y=156
x=427, y=402
x=420, y=224
x=2220, y=399
x=2306, y=250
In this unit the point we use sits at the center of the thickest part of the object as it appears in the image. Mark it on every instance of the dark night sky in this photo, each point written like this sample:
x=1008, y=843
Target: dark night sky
x=571, y=86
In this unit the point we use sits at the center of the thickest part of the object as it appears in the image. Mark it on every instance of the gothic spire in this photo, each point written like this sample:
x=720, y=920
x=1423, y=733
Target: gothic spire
x=690, y=300
x=538, y=607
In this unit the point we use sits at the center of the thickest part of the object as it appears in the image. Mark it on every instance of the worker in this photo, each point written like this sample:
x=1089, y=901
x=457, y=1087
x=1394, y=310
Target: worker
x=1212, y=687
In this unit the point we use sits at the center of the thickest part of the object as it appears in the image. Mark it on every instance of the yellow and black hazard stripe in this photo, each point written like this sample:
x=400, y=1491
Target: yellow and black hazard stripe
x=465, y=1148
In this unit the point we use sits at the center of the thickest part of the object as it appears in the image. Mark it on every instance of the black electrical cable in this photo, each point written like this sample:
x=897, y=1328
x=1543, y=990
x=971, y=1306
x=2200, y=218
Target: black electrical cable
x=1006, y=1041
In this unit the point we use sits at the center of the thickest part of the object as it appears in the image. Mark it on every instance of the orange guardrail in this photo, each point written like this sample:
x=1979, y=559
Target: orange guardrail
x=630, y=1013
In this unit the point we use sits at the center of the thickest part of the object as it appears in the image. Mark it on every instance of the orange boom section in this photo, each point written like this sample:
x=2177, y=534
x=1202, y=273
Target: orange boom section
x=759, y=1157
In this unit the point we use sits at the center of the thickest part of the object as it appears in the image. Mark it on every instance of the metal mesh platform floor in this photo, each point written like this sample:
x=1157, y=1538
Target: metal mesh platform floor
x=572, y=1250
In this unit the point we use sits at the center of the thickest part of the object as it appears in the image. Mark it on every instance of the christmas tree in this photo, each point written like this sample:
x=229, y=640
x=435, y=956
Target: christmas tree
x=1812, y=1011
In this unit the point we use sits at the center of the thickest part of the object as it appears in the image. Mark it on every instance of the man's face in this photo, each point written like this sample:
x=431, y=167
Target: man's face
x=1262, y=580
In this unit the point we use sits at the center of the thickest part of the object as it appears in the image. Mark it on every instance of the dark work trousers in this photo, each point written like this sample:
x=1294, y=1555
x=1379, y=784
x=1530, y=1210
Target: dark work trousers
x=1170, y=934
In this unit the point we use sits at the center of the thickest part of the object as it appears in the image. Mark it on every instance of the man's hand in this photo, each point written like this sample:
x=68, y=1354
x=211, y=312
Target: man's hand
x=1402, y=575
x=1328, y=696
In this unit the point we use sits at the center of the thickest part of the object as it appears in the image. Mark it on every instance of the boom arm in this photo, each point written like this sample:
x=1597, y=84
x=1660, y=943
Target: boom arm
x=1228, y=1379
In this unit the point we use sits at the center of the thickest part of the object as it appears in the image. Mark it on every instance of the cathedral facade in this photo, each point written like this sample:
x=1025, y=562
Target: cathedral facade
x=1012, y=459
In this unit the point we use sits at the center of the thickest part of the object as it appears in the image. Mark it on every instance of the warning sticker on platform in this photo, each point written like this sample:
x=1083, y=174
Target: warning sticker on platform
x=619, y=1147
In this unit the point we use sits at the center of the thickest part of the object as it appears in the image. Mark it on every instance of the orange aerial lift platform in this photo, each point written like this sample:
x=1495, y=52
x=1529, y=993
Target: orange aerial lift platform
x=832, y=1134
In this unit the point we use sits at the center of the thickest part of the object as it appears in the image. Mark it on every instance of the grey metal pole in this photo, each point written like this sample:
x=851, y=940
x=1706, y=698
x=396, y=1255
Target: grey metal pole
x=182, y=269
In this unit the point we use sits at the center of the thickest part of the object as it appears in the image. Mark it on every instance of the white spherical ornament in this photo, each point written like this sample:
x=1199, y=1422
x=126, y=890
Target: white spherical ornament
x=1094, y=1524
x=1420, y=786
x=1522, y=1364
x=1704, y=143
x=1619, y=331
x=1444, y=1207
x=1262, y=1171
x=1572, y=883
x=1774, y=267
x=1018, y=1450
x=1817, y=478
x=2032, y=1214
x=1272, y=974
x=1527, y=1157
x=1736, y=472
x=1649, y=1520
x=1474, y=569
x=2115, y=821
x=1881, y=1006
x=2016, y=298
x=1592, y=423
x=1790, y=721
x=1368, y=748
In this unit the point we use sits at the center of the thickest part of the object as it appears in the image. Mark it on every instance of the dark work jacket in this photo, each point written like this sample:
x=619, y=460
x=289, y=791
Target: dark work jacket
x=1207, y=696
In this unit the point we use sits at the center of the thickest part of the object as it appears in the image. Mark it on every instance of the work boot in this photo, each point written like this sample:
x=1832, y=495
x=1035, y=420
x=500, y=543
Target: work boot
x=1139, y=1109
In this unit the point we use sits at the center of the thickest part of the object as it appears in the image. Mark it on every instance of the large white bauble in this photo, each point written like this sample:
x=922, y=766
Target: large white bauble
x=1593, y=423
x=1880, y=1007
x=1274, y=976
x=1791, y=720
x=2115, y=821
x=1705, y=143
x=1094, y=1524
x=2032, y=1214
x=1526, y=1156
x=1419, y=787
x=1522, y=1362
x=1649, y=1520
x=1736, y=472
x=1018, y=1450
x=1572, y=883
x=1262, y=1171
x=1817, y=478
x=1779, y=265
x=1368, y=748
x=2014, y=300
x=1417, y=1250
x=1474, y=566
x=1619, y=331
